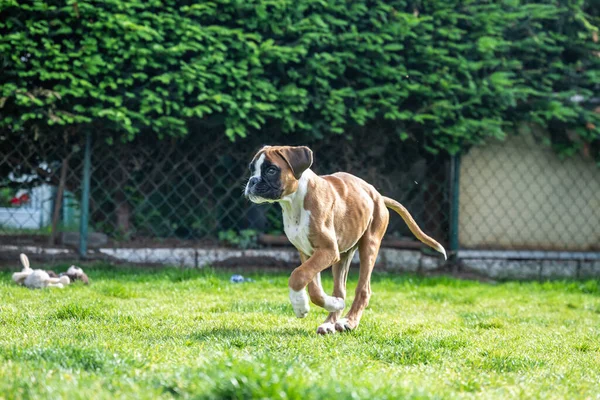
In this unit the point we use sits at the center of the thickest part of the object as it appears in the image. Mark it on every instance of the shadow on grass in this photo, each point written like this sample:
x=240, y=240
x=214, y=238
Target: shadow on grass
x=253, y=306
x=247, y=337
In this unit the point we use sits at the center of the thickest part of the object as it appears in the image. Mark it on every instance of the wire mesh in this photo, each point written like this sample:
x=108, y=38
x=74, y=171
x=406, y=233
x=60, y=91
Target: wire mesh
x=187, y=192
x=519, y=195
x=30, y=175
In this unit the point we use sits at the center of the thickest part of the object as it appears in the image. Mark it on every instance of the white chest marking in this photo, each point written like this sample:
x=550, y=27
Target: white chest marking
x=296, y=229
x=296, y=220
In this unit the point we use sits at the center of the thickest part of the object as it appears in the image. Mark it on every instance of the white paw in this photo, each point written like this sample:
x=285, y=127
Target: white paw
x=333, y=304
x=299, y=302
x=343, y=325
x=326, y=328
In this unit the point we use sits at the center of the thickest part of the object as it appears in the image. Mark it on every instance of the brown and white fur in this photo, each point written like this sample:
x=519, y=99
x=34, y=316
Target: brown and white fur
x=37, y=278
x=327, y=218
x=76, y=274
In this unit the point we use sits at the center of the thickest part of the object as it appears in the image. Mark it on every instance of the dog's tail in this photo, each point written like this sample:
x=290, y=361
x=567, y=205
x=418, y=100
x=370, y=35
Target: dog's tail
x=24, y=261
x=412, y=225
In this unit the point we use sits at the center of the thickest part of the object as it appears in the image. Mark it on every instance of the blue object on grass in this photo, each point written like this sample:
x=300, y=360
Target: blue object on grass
x=239, y=279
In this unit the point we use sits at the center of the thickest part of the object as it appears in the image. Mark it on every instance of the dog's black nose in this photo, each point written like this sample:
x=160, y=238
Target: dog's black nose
x=253, y=181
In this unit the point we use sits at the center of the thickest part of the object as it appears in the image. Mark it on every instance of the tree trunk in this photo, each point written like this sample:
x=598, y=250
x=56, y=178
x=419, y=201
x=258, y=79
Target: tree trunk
x=122, y=207
x=58, y=200
x=123, y=211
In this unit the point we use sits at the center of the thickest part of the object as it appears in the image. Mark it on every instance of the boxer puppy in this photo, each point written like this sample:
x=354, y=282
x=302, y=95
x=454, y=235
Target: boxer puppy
x=327, y=218
x=37, y=278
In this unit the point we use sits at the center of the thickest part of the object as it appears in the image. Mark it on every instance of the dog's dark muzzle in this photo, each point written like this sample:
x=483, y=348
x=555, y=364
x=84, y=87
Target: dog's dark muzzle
x=258, y=187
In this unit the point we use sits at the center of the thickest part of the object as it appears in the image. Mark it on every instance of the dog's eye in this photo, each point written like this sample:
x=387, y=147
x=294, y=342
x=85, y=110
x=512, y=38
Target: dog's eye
x=271, y=171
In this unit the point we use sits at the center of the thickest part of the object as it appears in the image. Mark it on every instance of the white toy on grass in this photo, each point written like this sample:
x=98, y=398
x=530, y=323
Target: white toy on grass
x=37, y=278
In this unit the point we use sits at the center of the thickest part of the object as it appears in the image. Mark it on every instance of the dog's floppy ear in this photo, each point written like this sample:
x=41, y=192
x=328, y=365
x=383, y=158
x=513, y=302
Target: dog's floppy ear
x=84, y=278
x=299, y=158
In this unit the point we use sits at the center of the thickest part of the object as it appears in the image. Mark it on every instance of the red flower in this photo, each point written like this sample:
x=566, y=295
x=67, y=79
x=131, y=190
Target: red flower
x=19, y=201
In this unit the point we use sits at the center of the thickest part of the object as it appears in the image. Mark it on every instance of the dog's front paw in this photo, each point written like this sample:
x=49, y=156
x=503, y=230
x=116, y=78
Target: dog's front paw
x=345, y=325
x=325, y=328
x=299, y=302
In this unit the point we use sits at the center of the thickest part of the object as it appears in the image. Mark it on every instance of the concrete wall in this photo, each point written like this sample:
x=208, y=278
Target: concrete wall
x=391, y=260
x=518, y=194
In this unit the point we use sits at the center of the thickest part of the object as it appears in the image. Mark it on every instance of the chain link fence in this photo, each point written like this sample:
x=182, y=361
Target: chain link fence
x=149, y=198
x=31, y=173
x=187, y=192
x=191, y=190
x=517, y=194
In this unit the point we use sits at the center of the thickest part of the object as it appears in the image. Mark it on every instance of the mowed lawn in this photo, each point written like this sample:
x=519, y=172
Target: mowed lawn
x=192, y=334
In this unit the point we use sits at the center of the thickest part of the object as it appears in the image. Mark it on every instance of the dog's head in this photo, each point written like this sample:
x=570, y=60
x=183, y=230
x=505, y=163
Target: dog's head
x=76, y=274
x=275, y=171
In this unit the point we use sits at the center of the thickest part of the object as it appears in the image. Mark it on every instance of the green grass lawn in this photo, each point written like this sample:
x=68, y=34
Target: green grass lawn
x=189, y=334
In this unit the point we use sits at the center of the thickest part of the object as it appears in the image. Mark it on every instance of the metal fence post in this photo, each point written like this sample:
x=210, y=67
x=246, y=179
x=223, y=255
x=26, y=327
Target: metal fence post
x=454, y=187
x=85, y=196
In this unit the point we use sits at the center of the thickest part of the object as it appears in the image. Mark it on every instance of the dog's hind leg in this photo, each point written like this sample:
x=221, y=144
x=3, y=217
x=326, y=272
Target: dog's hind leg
x=335, y=302
x=340, y=275
x=317, y=294
x=368, y=248
x=318, y=297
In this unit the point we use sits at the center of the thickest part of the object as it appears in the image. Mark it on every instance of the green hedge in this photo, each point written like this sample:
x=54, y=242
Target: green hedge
x=448, y=72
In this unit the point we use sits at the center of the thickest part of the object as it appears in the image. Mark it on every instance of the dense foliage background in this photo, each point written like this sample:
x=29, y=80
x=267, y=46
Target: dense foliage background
x=446, y=73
